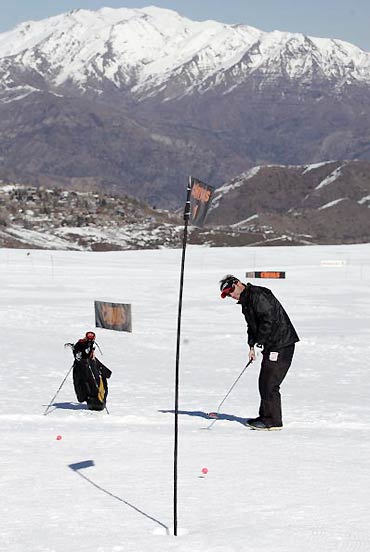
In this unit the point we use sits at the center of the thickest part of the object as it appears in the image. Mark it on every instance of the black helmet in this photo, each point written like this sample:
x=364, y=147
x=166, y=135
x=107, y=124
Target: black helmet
x=227, y=284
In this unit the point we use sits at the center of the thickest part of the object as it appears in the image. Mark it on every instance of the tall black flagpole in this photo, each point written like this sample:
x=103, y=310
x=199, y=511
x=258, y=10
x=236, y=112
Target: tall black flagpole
x=186, y=219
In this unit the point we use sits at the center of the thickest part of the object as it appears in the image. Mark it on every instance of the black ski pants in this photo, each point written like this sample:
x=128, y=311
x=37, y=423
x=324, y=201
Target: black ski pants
x=274, y=368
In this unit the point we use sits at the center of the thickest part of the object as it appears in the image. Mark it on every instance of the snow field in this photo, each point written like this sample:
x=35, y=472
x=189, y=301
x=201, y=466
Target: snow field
x=304, y=488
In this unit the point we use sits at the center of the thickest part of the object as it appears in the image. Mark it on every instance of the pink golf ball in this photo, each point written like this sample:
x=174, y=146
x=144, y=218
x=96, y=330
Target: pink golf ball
x=59, y=437
x=204, y=470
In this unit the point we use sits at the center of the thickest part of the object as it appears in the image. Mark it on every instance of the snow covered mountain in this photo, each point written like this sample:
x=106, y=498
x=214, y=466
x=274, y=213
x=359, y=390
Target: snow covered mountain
x=151, y=51
x=320, y=203
x=137, y=99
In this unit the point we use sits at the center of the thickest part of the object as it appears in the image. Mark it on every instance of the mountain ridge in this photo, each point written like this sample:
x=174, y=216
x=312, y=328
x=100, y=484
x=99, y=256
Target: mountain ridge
x=323, y=203
x=136, y=100
x=143, y=48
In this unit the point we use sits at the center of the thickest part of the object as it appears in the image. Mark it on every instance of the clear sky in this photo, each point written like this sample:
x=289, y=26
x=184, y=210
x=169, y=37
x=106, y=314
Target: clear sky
x=344, y=19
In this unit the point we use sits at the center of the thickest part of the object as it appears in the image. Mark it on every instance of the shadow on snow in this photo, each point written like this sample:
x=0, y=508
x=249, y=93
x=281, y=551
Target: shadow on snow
x=68, y=406
x=200, y=414
x=87, y=464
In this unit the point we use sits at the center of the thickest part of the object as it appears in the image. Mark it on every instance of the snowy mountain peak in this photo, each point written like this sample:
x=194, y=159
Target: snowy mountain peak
x=143, y=50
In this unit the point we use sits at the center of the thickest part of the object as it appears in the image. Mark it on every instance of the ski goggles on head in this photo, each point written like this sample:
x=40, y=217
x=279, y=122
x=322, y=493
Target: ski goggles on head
x=227, y=289
x=90, y=336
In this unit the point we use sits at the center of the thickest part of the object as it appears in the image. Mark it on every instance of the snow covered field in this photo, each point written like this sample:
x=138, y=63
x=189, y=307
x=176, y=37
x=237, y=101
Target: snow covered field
x=303, y=489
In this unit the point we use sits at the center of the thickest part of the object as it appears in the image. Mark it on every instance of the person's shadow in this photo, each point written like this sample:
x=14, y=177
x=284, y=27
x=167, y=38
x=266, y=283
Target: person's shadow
x=87, y=464
x=200, y=414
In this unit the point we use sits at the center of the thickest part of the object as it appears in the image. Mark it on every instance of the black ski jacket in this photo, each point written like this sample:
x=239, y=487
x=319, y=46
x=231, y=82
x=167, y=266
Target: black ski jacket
x=268, y=323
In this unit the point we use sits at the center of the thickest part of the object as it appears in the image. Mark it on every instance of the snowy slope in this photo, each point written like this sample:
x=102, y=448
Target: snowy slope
x=320, y=199
x=145, y=49
x=304, y=488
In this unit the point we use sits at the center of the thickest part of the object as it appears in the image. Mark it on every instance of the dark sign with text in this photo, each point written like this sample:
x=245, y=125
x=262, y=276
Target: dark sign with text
x=274, y=274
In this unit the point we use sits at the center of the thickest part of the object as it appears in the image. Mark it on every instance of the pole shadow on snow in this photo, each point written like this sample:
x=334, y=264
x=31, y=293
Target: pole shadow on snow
x=87, y=464
x=200, y=414
x=67, y=406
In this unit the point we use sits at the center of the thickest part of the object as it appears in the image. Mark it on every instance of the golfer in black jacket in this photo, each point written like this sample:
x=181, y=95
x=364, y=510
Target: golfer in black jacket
x=269, y=327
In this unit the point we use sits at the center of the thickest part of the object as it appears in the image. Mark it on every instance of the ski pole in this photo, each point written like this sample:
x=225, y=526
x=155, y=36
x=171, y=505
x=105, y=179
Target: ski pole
x=215, y=414
x=60, y=387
